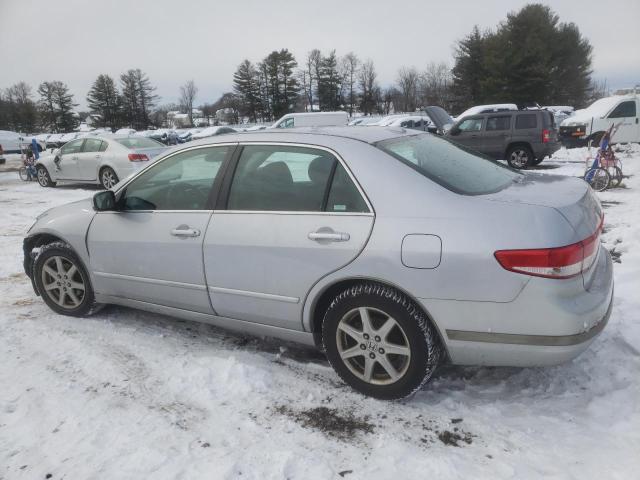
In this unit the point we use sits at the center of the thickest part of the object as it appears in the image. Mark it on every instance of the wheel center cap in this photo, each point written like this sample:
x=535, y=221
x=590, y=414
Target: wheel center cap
x=372, y=346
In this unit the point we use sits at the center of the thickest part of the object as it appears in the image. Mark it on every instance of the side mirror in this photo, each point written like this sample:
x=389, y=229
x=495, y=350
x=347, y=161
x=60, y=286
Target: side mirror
x=104, y=201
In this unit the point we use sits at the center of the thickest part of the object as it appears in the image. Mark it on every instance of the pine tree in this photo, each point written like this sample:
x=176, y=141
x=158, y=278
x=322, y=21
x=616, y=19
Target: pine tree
x=104, y=102
x=469, y=70
x=246, y=84
x=281, y=85
x=56, y=107
x=137, y=98
x=329, y=82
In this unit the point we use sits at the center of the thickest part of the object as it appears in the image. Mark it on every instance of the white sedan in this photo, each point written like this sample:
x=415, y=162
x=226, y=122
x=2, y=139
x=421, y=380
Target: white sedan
x=103, y=160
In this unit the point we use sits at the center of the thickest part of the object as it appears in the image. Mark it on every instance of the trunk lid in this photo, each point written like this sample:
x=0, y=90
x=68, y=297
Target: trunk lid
x=573, y=198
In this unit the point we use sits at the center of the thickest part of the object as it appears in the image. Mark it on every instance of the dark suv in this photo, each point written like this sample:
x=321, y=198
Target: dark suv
x=522, y=137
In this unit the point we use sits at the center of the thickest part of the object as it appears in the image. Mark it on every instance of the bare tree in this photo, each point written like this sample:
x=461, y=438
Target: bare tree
x=188, y=94
x=349, y=70
x=313, y=66
x=367, y=80
x=408, y=78
x=436, y=84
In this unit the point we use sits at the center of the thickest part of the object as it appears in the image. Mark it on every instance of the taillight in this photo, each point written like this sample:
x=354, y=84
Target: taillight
x=138, y=157
x=546, y=136
x=559, y=262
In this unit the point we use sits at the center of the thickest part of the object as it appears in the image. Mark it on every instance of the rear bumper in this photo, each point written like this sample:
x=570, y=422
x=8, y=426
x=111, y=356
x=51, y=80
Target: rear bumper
x=547, y=149
x=547, y=324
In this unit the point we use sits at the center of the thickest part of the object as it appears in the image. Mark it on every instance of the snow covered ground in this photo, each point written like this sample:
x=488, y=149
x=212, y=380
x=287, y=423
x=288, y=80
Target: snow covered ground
x=127, y=394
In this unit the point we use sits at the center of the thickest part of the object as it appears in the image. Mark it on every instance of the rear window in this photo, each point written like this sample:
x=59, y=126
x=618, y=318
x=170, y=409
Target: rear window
x=454, y=167
x=139, y=142
x=526, y=121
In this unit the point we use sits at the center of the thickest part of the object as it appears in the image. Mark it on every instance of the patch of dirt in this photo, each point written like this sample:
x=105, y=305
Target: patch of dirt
x=23, y=302
x=615, y=255
x=334, y=424
x=453, y=438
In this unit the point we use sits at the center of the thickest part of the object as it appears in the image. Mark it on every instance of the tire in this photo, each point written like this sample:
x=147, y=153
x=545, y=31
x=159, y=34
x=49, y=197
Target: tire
x=616, y=176
x=43, y=177
x=62, y=280
x=598, y=178
x=23, y=174
x=108, y=177
x=519, y=156
x=537, y=161
x=595, y=139
x=368, y=365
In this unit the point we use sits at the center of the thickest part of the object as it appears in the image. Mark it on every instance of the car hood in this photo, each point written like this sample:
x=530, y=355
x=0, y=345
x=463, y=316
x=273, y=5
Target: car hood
x=571, y=197
x=439, y=116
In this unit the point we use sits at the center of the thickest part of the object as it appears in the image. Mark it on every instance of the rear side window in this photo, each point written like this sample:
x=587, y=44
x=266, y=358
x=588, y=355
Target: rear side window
x=290, y=179
x=92, y=145
x=471, y=125
x=527, y=120
x=624, y=110
x=456, y=168
x=498, y=123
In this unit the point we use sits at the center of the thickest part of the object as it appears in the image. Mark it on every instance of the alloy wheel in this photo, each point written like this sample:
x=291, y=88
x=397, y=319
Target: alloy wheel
x=63, y=282
x=373, y=346
x=519, y=158
x=109, y=178
x=43, y=177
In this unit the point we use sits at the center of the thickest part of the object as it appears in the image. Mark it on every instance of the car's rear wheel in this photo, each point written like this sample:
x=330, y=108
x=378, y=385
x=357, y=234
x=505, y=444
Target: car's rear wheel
x=108, y=178
x=63, y=281
x=519, y=156
x=380, y=342
x=43, y=177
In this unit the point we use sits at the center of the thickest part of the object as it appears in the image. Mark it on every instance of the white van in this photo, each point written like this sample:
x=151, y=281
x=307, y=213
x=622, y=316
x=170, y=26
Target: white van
x=589, y=124
x=312, y=119
x=11, y=141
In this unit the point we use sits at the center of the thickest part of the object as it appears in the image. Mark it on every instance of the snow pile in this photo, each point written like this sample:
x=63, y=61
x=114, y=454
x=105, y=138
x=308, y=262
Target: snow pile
x=128, y=394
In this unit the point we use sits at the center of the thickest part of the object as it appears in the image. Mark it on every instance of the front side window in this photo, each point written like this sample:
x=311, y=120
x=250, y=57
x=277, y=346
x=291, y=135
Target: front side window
x=528, y=120
x=281, y=178
x=471, y=125
x=74, y=146
x=92, y=145
x=498, y=123
x=288, y=123
x=449, y=164
x=181, y=182
x=624, y=110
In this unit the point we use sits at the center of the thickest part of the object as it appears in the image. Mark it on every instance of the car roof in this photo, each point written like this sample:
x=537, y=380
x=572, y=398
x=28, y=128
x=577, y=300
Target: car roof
x=367, y=134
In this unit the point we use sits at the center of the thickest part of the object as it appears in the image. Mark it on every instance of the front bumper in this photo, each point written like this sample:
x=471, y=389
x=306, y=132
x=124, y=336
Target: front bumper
x=572, y=137
x=547, y=324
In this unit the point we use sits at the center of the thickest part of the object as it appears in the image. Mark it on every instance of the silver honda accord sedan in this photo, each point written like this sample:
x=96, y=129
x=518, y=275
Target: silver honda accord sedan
x=392, y=250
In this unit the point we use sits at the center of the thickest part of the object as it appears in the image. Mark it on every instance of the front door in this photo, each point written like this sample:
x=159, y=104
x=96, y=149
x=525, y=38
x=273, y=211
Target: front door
x=625, y=116
x=68, y=160
x=469, y=133
x=150, y=249
x=291, y=216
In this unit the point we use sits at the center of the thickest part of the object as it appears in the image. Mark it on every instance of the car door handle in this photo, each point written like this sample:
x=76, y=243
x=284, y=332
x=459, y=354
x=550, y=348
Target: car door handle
x=185, y=231
x=329, y=236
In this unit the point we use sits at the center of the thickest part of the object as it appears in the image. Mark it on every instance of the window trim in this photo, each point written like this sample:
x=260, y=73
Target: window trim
x=216, y=188
x=221, y=204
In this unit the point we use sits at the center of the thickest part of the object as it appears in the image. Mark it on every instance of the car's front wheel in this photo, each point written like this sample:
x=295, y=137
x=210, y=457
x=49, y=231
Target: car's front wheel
x=108, y=178
x=380, y=342
x=43, y=177
x=63, y=281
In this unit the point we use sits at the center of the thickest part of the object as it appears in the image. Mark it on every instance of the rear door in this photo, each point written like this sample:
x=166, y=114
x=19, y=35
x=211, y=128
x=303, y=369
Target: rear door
x=89, y=159
x=496, y=135
x=150, y=250
x=289, y=216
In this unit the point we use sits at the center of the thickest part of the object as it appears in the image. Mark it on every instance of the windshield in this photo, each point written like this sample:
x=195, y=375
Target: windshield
x=454, y=167
x=138, y=142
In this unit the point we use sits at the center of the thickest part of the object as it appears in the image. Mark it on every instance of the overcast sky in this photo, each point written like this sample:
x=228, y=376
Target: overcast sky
x=174, y=41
